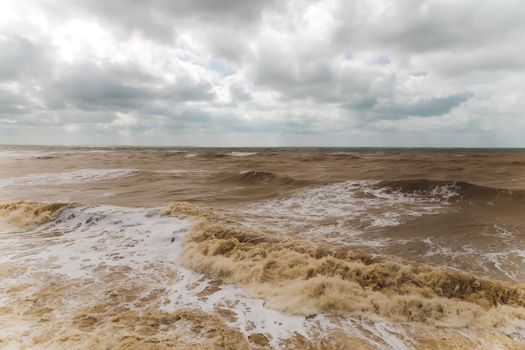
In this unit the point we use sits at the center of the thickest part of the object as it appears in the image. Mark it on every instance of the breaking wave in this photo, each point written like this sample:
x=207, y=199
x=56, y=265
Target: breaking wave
x=23, y=154
x=256, y=177
x=449, y=189
x=300, y=277
x=241, y=154
x=341, y=212
x=111, y=276
x=27, y=214
x=461, y=225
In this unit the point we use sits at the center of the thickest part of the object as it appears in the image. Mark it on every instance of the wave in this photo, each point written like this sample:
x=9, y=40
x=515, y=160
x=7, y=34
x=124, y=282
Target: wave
x=241, y=154
x=337, y=156
x=26, y=214
x=345, y=155
x=217, y=155
x=340, y=213
x=70, y=177
x=301, y=277
x=448, y=189
x=128, y=288
x=110, y=282
x=211, y=155
x=46, y=157
x=24, y=154
x=258, y=177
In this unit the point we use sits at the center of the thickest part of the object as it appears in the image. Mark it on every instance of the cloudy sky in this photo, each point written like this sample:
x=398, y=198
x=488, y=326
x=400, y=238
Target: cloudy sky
x=263, y=72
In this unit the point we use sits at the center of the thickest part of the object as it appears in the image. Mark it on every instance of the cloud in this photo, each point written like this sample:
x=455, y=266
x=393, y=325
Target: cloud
x=306, y=72
x=12, y=103
x=122, y=87
x=424, y=107
x=415, y=26
x=161, y=19
x=20, y=57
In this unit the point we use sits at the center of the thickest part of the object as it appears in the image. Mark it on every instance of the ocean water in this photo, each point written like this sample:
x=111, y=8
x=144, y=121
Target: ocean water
x=262, y=248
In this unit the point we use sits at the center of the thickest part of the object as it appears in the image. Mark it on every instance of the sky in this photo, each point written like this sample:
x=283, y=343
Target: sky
x=406, y=73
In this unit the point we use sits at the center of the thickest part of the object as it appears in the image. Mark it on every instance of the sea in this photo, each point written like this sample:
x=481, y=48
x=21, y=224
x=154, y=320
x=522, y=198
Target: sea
x=261, y=248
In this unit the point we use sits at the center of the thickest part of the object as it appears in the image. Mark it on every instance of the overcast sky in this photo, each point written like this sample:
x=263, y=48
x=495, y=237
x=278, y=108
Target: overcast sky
x=263, y=73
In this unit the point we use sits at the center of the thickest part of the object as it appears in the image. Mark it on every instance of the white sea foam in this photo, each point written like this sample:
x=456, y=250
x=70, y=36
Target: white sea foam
x=241, y=154
x=342, y=212
x=446, y=191
x=385, y=336
x=506, y=261
x=505, y=232
x=90, y=238
x=22, y=154
x=8, y=155
x=70, y=177
x=178, y=171
x=353, y=213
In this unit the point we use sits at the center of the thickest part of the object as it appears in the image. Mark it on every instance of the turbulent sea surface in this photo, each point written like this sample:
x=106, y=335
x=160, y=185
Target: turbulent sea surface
x=160, y=248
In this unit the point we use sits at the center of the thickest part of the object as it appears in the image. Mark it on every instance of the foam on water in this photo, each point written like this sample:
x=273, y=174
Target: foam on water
x=362, y=213
x=394, y=336
x=70, y=177
x=342, y=212
x=20, y=154
x=178, y=171
x=25, y=154
x=82, y=241
x=508, y=262
x=241, y=154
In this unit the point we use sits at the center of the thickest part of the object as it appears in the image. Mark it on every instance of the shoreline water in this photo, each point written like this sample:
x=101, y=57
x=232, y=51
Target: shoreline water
x=93, y=240
x=376, y=242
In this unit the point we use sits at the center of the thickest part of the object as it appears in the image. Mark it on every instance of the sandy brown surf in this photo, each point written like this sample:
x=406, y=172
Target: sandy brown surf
x=28, y=214
x=442, y=302
x=439, y=308
x=282, y=268
x=214, y=176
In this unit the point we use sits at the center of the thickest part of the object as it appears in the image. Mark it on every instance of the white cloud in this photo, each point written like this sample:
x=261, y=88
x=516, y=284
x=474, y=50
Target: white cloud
x=293, y=72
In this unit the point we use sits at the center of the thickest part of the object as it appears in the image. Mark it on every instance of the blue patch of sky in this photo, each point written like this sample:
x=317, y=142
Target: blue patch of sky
x=220, y=67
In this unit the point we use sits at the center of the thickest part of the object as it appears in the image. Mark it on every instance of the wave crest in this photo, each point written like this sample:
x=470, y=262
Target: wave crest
x=258, y=177
x=26, y=214
x=300, y=277
x=445, y=189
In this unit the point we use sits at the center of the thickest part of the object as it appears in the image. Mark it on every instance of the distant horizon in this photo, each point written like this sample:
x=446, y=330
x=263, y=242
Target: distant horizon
x=270, y=147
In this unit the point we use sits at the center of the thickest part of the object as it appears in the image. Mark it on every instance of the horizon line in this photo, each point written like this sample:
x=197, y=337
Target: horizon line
x=261, y=147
